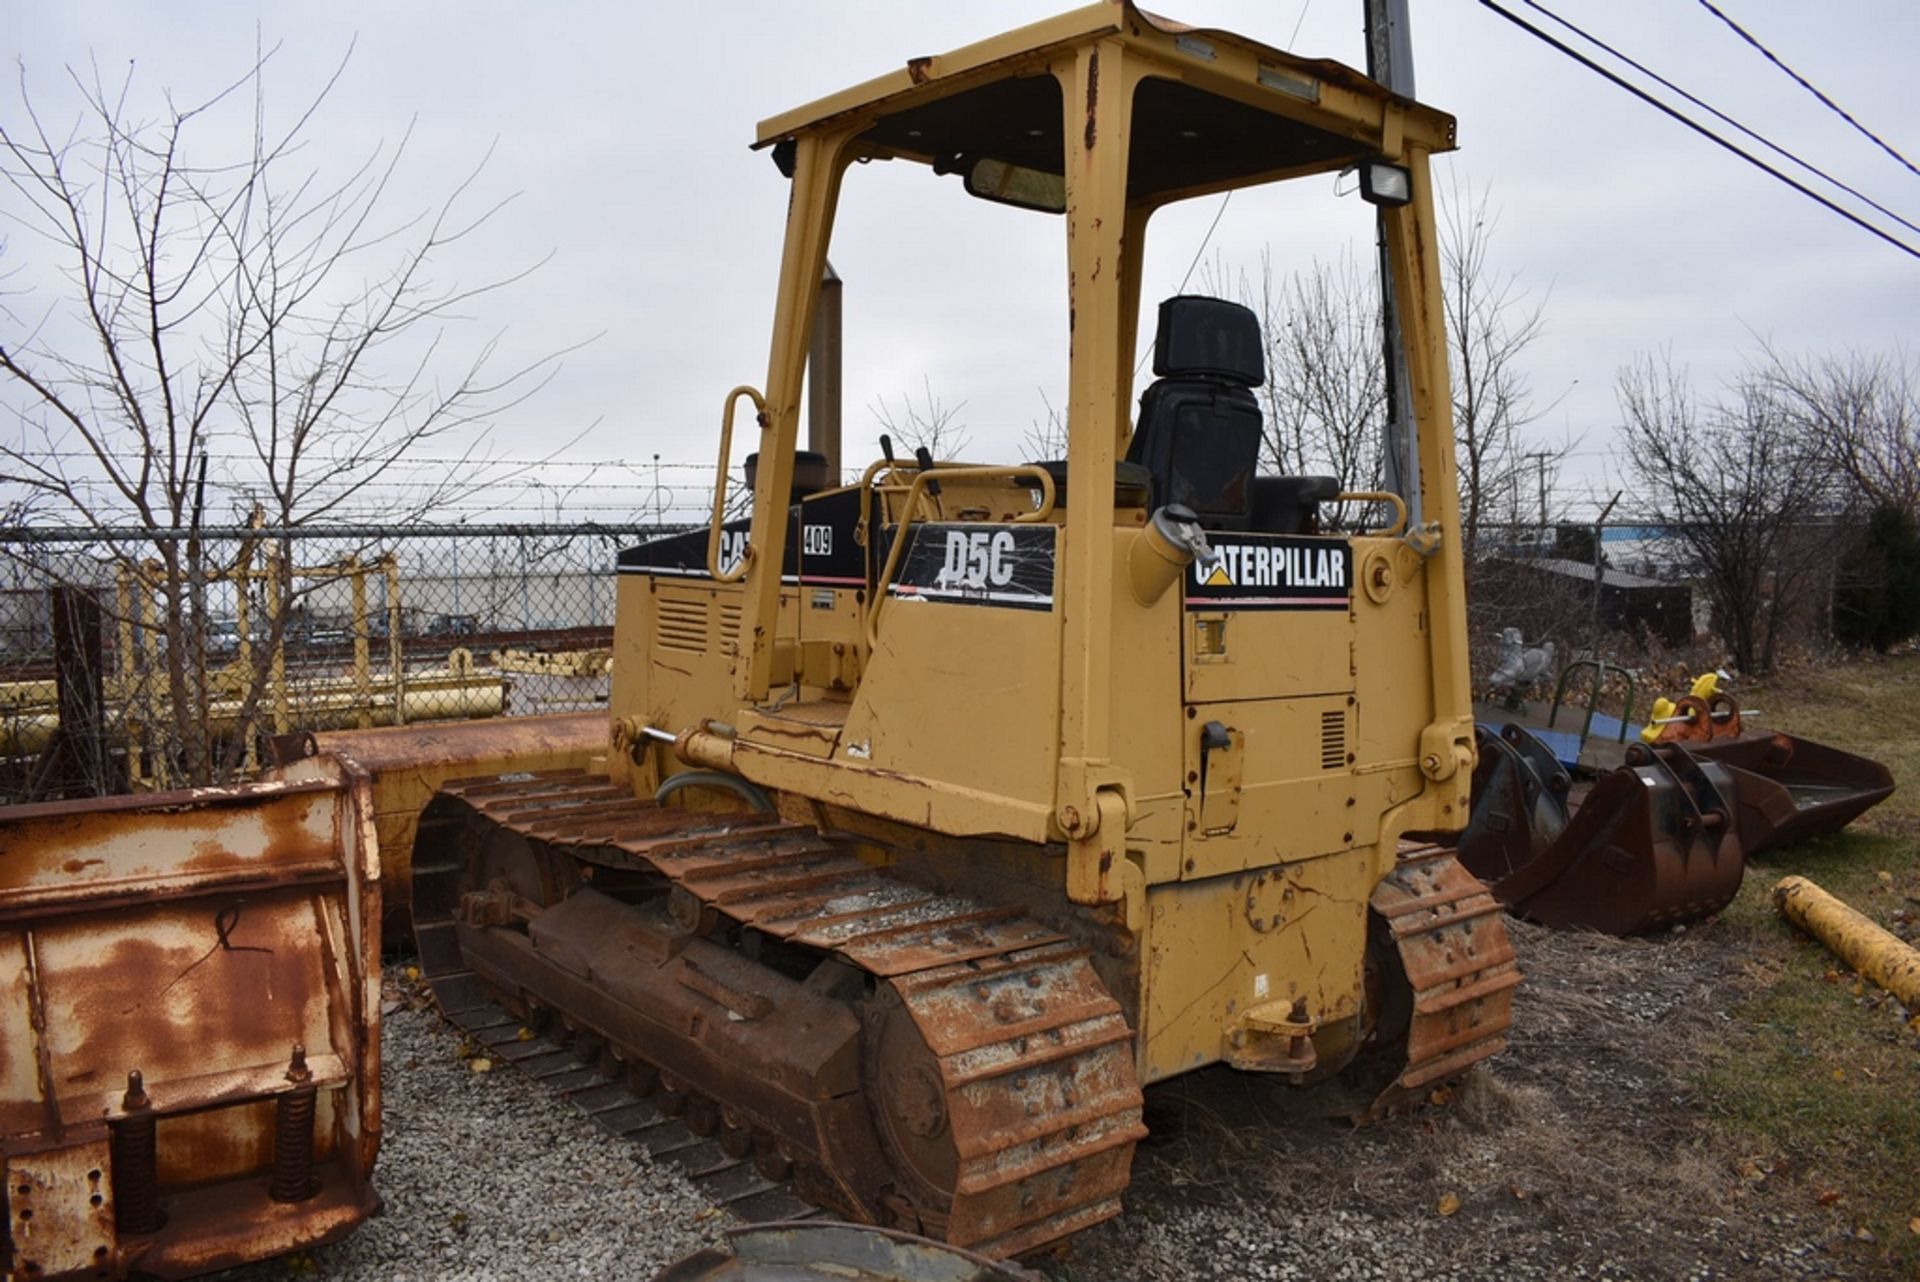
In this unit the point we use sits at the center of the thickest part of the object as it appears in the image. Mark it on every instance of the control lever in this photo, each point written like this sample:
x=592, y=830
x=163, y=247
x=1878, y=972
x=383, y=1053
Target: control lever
x=924, y=457
x=1213, y=738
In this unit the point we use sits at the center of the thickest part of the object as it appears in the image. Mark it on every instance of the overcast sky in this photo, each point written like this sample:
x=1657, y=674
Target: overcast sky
x=623, y=129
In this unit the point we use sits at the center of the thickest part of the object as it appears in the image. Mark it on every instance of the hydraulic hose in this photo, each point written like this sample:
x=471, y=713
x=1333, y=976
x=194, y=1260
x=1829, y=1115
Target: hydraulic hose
x=746, y=790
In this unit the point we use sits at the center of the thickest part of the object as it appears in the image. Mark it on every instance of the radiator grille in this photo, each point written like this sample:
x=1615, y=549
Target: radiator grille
x=1333, y=740
x=681, y=625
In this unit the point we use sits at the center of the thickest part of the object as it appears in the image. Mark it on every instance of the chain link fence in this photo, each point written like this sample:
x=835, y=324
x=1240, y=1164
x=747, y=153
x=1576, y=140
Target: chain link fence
x=132, y=661
x=142, y=660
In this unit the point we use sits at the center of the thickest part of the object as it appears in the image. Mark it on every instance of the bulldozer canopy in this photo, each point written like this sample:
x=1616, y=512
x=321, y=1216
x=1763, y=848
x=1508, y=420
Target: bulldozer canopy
x=1211, y=111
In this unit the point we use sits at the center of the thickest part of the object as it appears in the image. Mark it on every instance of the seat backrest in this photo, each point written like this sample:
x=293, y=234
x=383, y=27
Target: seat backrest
x=1199, y=429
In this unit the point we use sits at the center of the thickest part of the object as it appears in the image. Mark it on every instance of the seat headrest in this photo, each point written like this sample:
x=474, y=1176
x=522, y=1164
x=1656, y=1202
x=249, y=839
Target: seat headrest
x=1209, y=338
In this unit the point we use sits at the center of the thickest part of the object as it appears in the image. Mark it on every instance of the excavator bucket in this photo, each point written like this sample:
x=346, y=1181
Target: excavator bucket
x=189, y=1025
x=1652, y=844
x=1790, y=789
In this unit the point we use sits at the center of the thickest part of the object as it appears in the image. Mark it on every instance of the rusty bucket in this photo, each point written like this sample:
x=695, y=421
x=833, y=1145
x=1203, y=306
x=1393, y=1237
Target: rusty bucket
x=1652, y=844
x=1791, y=789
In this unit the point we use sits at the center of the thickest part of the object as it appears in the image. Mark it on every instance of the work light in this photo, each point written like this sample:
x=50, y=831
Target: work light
x=1384, y=184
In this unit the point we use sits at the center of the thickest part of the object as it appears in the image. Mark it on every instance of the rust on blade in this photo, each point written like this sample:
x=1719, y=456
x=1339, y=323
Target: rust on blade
x=158, y=958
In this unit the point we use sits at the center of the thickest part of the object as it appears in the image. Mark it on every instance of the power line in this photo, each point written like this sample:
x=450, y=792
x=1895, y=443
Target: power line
x=1806, y=84
x=1691, y=123
x=1722, y=116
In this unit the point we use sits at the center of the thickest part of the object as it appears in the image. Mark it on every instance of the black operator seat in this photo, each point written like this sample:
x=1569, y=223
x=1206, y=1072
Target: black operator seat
x=1199, y=430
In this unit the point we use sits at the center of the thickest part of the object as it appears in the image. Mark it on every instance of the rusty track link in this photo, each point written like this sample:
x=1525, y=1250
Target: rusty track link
x=1006, y=1103
x=1452, y=940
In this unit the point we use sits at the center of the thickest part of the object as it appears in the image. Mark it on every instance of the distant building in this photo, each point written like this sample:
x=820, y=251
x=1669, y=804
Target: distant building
x=1628, y=602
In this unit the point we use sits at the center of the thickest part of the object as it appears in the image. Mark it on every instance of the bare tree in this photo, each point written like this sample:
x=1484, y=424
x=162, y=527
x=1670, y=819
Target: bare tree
x=1490, y=325
x=1736, y=485
x=1863, y=410
x=931, y=425
x=1324, y=399
x=1325, y=395
x=239, y=322
x=1045, y=440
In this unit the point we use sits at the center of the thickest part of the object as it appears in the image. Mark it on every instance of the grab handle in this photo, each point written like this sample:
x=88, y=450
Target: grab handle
x=739, y=569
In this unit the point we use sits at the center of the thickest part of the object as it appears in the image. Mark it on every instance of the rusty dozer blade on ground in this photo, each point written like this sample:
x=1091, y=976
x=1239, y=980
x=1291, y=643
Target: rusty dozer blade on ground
x=189, y=1007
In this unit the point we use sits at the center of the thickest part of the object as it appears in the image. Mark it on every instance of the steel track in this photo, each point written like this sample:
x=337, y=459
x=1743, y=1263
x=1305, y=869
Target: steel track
x=1032, y=1055
x=1027, y=1059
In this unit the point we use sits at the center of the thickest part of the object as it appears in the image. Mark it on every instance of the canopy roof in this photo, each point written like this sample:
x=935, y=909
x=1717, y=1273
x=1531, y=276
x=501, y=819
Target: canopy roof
x=1215, y=111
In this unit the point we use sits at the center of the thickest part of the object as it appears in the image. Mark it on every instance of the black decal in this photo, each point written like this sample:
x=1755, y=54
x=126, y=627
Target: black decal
x=820, y=546
x=974, y=564
x=1273, y=572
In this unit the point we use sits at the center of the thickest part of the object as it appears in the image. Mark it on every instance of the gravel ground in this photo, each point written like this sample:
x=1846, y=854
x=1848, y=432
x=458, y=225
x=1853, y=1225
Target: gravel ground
x=1577, y=1155
x=487, y=1175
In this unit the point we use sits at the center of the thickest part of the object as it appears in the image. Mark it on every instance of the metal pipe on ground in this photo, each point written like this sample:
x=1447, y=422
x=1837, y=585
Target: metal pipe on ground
x=1876, y=953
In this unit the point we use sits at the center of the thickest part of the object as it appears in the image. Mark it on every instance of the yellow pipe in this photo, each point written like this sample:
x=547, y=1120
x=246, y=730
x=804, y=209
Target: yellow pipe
x=1878, y=954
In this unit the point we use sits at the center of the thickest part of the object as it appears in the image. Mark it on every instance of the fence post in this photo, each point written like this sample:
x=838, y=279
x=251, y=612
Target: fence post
x=362, y=650
x=124, y=661
x=159, y=759
x=526, y=611
x=280, y=586
x=243, y=655
x=396, y=651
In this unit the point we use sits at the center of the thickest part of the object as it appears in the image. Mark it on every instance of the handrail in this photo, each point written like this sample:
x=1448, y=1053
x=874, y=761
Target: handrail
x=1398, y=504
x=866, y=483
x=1038, y=514
x=1600, y=669
x=739, y=571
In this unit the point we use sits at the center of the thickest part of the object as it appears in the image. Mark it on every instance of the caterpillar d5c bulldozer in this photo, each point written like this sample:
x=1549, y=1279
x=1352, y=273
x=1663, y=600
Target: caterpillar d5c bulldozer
x=943, y=812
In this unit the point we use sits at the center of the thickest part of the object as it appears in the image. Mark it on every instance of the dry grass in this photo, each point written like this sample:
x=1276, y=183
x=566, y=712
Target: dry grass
x=1818, y=1073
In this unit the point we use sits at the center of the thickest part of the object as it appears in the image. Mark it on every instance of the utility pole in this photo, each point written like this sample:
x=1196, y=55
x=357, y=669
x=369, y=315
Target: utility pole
x=1599, y=538
x=1390, y=61
x=1540, y=458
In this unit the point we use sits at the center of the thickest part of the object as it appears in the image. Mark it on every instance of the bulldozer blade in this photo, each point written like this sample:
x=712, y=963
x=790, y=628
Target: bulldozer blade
x=1652, y=844
x=189, y=1026
x=1790, y=789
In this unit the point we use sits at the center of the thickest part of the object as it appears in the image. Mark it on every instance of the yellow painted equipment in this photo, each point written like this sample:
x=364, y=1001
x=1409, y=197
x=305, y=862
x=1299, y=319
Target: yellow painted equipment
x=939, y=814
x=1869, y=948
x=554, y=663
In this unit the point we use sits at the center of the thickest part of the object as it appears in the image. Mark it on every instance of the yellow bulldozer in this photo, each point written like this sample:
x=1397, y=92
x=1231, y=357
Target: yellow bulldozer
x=936, y=816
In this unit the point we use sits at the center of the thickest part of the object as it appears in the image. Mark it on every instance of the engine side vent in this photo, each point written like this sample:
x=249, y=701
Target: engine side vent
x=1333, y=740
x=680, y=624
x=730, y=627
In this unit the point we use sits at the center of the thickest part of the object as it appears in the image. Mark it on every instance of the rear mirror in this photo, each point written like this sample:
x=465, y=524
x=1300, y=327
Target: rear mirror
x=1018, y=185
